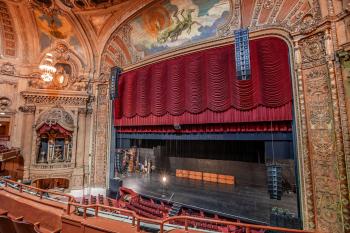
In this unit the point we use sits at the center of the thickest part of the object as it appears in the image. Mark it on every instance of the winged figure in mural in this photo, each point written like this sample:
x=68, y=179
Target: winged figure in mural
x=178, y=26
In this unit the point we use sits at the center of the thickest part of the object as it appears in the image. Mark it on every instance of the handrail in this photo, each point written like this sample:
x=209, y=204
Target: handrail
x=247, y=226
x=38, y=190
x=136, y=219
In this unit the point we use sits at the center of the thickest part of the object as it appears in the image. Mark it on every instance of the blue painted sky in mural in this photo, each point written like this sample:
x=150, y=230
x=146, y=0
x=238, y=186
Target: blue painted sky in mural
x=48, y=19
x=208, y=5
x=205, y=17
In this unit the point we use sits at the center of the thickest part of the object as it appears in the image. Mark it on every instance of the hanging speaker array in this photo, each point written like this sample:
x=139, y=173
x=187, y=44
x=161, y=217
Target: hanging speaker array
x=274, y=181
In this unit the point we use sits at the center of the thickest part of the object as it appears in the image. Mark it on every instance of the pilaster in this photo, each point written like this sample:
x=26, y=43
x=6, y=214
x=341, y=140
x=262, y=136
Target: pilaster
x=27, y=134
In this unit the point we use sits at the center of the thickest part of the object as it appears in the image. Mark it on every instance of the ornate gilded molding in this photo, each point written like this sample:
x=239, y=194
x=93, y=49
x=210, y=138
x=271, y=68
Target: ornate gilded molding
x=5, y=104
x=27, y=109
x=8, y=32
x=55, y=98
x=329, y=179
x=313, y=51
x=2, y=81
x=101, y=135
x=7, y=68
x=56, y=115
x=234, y=22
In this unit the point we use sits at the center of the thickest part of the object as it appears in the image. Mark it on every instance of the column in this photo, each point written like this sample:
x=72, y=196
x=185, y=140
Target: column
x=81, y=138
x=88, y=140
x=329, y=195
x=27, y=137
x=78, y=173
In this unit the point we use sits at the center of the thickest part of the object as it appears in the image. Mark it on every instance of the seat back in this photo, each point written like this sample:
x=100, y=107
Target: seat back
x=37, y=230
x=6, y=225
x=23, y=227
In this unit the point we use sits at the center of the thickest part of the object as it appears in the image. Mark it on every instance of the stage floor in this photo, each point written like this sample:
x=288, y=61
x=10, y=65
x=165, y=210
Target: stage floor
x=245, y=202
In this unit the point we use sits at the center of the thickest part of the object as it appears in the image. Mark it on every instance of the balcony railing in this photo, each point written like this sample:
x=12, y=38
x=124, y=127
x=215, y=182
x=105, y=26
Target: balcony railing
x=135, y=218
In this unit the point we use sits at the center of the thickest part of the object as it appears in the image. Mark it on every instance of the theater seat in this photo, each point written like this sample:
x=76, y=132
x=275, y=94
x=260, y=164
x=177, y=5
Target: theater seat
x=6, y=225
x=3, y=212
x=24, y=227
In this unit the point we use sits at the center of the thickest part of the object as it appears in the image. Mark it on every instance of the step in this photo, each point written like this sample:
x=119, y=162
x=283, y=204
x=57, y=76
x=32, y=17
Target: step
x=175, y=209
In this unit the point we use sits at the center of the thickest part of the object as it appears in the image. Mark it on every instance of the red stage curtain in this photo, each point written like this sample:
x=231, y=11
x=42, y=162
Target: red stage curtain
x=45, y=128
x=202, y=87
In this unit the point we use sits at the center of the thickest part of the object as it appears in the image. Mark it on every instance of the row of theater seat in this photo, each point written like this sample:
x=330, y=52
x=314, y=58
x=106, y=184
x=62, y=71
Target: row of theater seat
x=153, y=205
x=141, y=212
x=10, y=224
x=150, y=210
x=100, y=199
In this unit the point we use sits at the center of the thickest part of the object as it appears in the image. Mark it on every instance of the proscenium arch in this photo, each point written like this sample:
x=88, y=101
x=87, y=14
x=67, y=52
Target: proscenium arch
x=298, y=146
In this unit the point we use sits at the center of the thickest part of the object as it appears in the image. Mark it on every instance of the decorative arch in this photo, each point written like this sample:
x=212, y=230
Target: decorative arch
x=69, y=66
x=54, y=116
x=54, y=142
x=301, y=17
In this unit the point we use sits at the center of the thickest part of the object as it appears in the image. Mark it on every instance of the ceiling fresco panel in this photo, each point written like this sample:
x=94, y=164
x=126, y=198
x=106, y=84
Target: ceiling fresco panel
x=174, y=23
x=55, y=26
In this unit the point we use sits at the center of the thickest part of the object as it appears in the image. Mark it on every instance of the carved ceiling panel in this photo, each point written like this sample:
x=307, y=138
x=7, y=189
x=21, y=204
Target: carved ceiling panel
x=8, y=32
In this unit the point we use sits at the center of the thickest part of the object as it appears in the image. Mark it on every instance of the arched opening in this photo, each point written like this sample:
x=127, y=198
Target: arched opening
x=224, y=133
x=54, y=137
x=54, y=144
x=52, y=183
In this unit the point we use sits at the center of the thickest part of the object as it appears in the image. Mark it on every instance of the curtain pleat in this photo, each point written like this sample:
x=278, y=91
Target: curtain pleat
x=202, y=87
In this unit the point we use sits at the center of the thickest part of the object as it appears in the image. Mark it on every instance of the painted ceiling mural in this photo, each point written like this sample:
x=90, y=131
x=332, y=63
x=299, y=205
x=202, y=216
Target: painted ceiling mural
x=174, y=23
x=55, y=26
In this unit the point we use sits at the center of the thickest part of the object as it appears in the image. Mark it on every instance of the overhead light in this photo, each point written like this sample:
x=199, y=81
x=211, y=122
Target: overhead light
x=47, y=68
x=2, y=113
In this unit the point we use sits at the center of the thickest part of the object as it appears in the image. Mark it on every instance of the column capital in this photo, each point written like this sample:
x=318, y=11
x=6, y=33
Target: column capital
x=27, y=109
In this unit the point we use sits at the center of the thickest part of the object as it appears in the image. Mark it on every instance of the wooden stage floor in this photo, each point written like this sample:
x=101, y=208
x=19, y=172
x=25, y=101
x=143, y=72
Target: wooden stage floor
x=250, y=203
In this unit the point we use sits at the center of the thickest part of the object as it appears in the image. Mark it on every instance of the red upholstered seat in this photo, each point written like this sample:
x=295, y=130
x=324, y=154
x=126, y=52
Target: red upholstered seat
x=24, y=227
x=6, y=225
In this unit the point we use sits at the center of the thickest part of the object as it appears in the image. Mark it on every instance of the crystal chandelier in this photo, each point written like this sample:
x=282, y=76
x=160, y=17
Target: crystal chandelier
x=47, y=68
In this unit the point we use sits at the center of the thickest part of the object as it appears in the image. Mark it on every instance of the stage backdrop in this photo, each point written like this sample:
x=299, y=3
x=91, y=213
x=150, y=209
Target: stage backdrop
x=202, y=88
